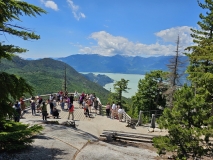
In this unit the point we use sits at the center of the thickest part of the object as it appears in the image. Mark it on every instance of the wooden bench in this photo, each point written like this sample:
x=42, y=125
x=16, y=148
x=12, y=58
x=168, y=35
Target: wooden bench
x=126, y=136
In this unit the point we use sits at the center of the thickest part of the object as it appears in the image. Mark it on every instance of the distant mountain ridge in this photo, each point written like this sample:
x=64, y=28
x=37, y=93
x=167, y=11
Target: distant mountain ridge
x=117, y=63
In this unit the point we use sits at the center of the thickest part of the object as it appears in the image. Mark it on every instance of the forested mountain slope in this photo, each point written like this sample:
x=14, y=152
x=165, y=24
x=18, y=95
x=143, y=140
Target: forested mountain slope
x=47, y=76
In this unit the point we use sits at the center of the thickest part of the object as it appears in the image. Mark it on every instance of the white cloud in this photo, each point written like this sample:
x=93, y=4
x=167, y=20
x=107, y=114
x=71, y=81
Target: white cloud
x=50, y=4
x=109, y=45
x=75, y=10
x=171, y=34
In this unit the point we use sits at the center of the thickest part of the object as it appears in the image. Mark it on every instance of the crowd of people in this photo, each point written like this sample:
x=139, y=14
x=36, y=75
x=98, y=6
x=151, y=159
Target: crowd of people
x=114, y=111
x=87, y=102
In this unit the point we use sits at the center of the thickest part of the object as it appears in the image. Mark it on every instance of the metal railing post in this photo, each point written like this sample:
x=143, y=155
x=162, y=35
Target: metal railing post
x=153, y=121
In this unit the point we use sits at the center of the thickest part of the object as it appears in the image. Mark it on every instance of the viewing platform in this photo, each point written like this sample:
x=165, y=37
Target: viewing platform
x=94, y=125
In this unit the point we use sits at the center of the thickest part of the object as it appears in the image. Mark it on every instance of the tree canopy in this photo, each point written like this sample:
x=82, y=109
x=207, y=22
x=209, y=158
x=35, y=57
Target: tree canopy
x=13, y=135
x=150, y=92
x=10, y=11
x=190, y=121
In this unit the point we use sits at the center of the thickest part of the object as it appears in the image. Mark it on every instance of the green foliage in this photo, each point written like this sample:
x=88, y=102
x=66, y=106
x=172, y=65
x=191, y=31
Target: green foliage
x=16, y=136
x=12, y=88
x=47, y=76
x=201, y=55
x=193, y=106
x=11, y=10
x=150, y=93
x=190, y=121
x=119, y=87
x=186, y=123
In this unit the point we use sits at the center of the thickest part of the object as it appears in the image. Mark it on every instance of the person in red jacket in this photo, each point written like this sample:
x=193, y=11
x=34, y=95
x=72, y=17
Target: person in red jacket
x=71, y=111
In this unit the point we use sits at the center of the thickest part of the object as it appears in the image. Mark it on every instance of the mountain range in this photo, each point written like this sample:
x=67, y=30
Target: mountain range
x=118, y=63
x=47, y=76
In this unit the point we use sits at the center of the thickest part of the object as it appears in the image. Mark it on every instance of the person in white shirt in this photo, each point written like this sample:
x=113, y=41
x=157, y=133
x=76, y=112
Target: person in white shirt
x=113, y=111
x=120, y=114
x=51, y=97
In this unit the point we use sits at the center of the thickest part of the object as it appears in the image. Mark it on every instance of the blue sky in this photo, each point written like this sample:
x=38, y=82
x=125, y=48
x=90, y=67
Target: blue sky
x=108, y=27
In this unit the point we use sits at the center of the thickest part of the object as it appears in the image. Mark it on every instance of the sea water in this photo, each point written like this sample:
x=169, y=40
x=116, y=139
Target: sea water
x=132, y=84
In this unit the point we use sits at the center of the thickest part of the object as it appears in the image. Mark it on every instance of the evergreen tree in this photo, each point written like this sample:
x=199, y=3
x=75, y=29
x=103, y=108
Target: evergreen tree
x=185, y=124
x=149, y=96
x=119, y=87
x=14, y=135
x=189, y=122
x=201, y=56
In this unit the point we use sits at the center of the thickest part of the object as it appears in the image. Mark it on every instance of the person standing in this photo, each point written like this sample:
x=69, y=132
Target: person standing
x=51, y=107
x=51, y=97
x=86, y=109
x=23, y=106
x=62, y=102
x=96, y=103
x=108, y=109
x=68, y=103
x=71, y=99
x=120, y=114
x=44, y=111
x=33, y=106
x=17, y=112
x=89, y=101
x=71, y=111
x=113, y=110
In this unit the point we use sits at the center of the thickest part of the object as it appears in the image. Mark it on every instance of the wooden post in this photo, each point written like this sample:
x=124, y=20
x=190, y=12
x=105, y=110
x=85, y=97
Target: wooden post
x=153, y=121
x=139, y=123
x=100, y=109
x=124, y=116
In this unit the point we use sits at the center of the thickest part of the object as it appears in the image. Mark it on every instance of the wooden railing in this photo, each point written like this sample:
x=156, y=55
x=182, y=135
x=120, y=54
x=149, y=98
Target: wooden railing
x=126, y=117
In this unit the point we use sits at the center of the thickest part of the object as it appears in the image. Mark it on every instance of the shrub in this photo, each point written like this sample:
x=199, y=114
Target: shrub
x=16, y=136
